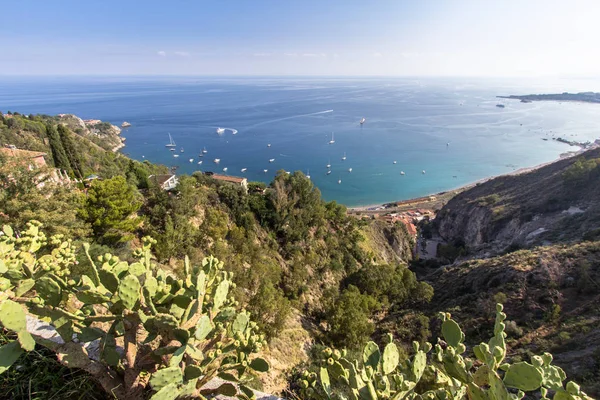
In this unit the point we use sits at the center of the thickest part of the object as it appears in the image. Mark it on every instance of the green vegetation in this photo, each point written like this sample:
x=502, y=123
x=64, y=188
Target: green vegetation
x=579, y=172
x=178, y=332
x=108, y=208
x=448, y=374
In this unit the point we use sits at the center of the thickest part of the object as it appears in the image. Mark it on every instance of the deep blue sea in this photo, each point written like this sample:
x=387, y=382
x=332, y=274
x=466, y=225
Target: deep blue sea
x=449, y=128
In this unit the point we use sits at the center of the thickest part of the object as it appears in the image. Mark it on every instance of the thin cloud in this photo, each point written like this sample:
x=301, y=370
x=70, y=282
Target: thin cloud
x=261, y=54
x=290, y=54
x=182, y=53
x=310, y=55
x=162, y=53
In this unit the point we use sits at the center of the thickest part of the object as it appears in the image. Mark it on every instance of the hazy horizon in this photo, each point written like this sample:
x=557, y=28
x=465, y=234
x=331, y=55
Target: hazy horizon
x=460, y=38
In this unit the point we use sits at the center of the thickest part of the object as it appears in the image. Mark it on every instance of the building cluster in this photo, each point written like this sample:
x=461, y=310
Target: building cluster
x=409, y=218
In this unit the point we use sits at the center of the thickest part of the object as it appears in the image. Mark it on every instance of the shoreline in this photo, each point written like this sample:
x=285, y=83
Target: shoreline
x=374, y=208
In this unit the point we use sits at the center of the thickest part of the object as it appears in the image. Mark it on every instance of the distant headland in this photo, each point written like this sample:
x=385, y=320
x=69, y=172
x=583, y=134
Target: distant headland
x=587, y=97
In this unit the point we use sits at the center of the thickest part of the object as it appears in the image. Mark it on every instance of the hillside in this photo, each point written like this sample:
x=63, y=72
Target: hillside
x=587, y=97
x=555, y=203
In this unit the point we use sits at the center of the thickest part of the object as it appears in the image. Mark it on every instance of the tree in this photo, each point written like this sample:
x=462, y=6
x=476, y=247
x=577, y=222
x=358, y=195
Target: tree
x=59, y=155
x=109, y=207
x=70, y=149
x=348, y=318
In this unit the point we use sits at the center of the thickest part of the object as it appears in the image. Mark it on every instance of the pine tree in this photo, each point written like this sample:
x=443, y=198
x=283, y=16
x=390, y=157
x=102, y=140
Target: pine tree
x=59, y=155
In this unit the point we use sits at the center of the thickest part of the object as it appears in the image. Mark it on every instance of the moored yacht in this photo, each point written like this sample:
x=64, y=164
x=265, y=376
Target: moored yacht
x=171, y=142
x=332, y=141
x=217, y=160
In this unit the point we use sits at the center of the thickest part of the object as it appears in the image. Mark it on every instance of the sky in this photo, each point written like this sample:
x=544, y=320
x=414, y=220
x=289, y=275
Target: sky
x=302, y=37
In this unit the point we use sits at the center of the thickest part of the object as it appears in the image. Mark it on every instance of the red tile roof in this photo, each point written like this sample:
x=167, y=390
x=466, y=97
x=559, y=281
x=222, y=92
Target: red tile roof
x=227, y=178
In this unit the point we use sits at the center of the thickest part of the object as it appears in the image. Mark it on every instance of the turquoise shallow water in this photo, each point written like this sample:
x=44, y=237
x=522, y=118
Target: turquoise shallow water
x=408, y=120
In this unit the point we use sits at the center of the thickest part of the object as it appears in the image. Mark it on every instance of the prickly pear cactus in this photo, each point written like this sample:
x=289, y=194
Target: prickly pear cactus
x=173, y=334
x=456, y=375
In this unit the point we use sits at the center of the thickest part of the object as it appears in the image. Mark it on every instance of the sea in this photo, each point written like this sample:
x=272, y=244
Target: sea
x=442, y=133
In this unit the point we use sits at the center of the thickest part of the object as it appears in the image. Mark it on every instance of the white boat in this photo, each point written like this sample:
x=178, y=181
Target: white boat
x=204, y=151
x=328, y=172
x=244, y=169
x=225, y=169
x=171, y=142
x=125, y=124
x=175, y=155
x=271, y=160
x=362, y=120
x=265, y=170
x=339, y=181
x=288, y=172
x=402, y=173
x=329, y=164
x=395, y=162
x=344, y=158
x=172, y=149
x=191, y=160
x=423, y=172
x=349, y=169
x=199, y=162
x=269, y=145
x=220, y=130
x=308, y=173
x=332, y=141
x=217, y=160
x=181, y=150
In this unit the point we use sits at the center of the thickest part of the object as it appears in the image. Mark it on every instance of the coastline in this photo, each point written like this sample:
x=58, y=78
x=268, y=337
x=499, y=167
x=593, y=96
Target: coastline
x=418, y=202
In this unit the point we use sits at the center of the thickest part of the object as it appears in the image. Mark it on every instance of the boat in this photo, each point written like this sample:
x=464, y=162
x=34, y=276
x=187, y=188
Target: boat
x=395, y=162
x=344, y=158
x=191, y=160
x=244, y=169
x=500, y=105
x=332, y=141
x=423, y=172
x=402, y=173
x=181, y=150
x=339, y=181
x=172, y=149
x=204, y=151
x=175, y=155
x=362, y=120
x=217, y=160
x=265, y=170
x=220, y=130
x=271, y=160
x=329, y=164
x=125, y=124
x=269, y=145
x=225, y=169
x=171, y=142
x=328, y=172
x=308, y=173
x=199, y=162
x=349, y=169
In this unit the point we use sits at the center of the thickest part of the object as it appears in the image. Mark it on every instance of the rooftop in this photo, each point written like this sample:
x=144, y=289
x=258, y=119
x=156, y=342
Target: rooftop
x=228, y=178
x=161, y=179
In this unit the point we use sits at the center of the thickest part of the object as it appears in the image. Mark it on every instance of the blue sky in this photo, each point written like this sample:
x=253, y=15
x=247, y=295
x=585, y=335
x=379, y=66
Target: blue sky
x=308, y=37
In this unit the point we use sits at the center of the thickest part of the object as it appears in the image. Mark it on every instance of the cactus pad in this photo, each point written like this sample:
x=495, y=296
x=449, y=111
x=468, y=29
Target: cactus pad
x=391, y=358
x=523, y=376
x=129, y=291
x=371, y=355
x=203, y=327
x=166, y=376
x=452, y=333
x=9, y=353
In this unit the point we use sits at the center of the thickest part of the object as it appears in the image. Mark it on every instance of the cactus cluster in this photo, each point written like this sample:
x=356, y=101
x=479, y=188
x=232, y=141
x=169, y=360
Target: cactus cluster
x=486, y=377
x=180, y=333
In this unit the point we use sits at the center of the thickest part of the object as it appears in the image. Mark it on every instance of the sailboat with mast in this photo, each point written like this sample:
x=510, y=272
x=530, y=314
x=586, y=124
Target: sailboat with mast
x=171, y=142
x=332, y=141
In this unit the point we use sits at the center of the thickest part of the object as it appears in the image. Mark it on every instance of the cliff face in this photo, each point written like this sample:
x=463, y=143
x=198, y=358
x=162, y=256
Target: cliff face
x=104, y=134
x=543, y=206
x=387, y=243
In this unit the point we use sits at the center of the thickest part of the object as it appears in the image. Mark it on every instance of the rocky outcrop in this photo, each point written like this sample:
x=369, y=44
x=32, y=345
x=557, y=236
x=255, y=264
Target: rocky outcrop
x=388, y=243
x=104, y=134
x=523, y=210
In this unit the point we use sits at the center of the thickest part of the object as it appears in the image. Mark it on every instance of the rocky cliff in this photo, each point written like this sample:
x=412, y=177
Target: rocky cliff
x=555, y=203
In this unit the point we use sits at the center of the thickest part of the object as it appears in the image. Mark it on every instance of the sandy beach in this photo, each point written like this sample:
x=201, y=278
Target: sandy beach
x=441, y=197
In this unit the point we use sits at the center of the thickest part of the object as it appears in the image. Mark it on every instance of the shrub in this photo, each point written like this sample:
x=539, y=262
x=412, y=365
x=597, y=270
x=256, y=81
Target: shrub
x=176, y=334
x=448, y=374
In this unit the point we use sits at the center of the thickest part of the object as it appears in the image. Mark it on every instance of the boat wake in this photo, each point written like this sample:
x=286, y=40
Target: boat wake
x=284, y=155
x=233, y=131
x=286, y=118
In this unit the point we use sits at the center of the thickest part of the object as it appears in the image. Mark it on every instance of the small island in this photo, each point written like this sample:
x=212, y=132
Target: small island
x=586, y=97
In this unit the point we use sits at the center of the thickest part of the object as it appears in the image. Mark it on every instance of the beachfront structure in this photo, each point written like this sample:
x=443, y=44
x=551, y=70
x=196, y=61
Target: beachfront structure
x=165, y=181
x=243, y=182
